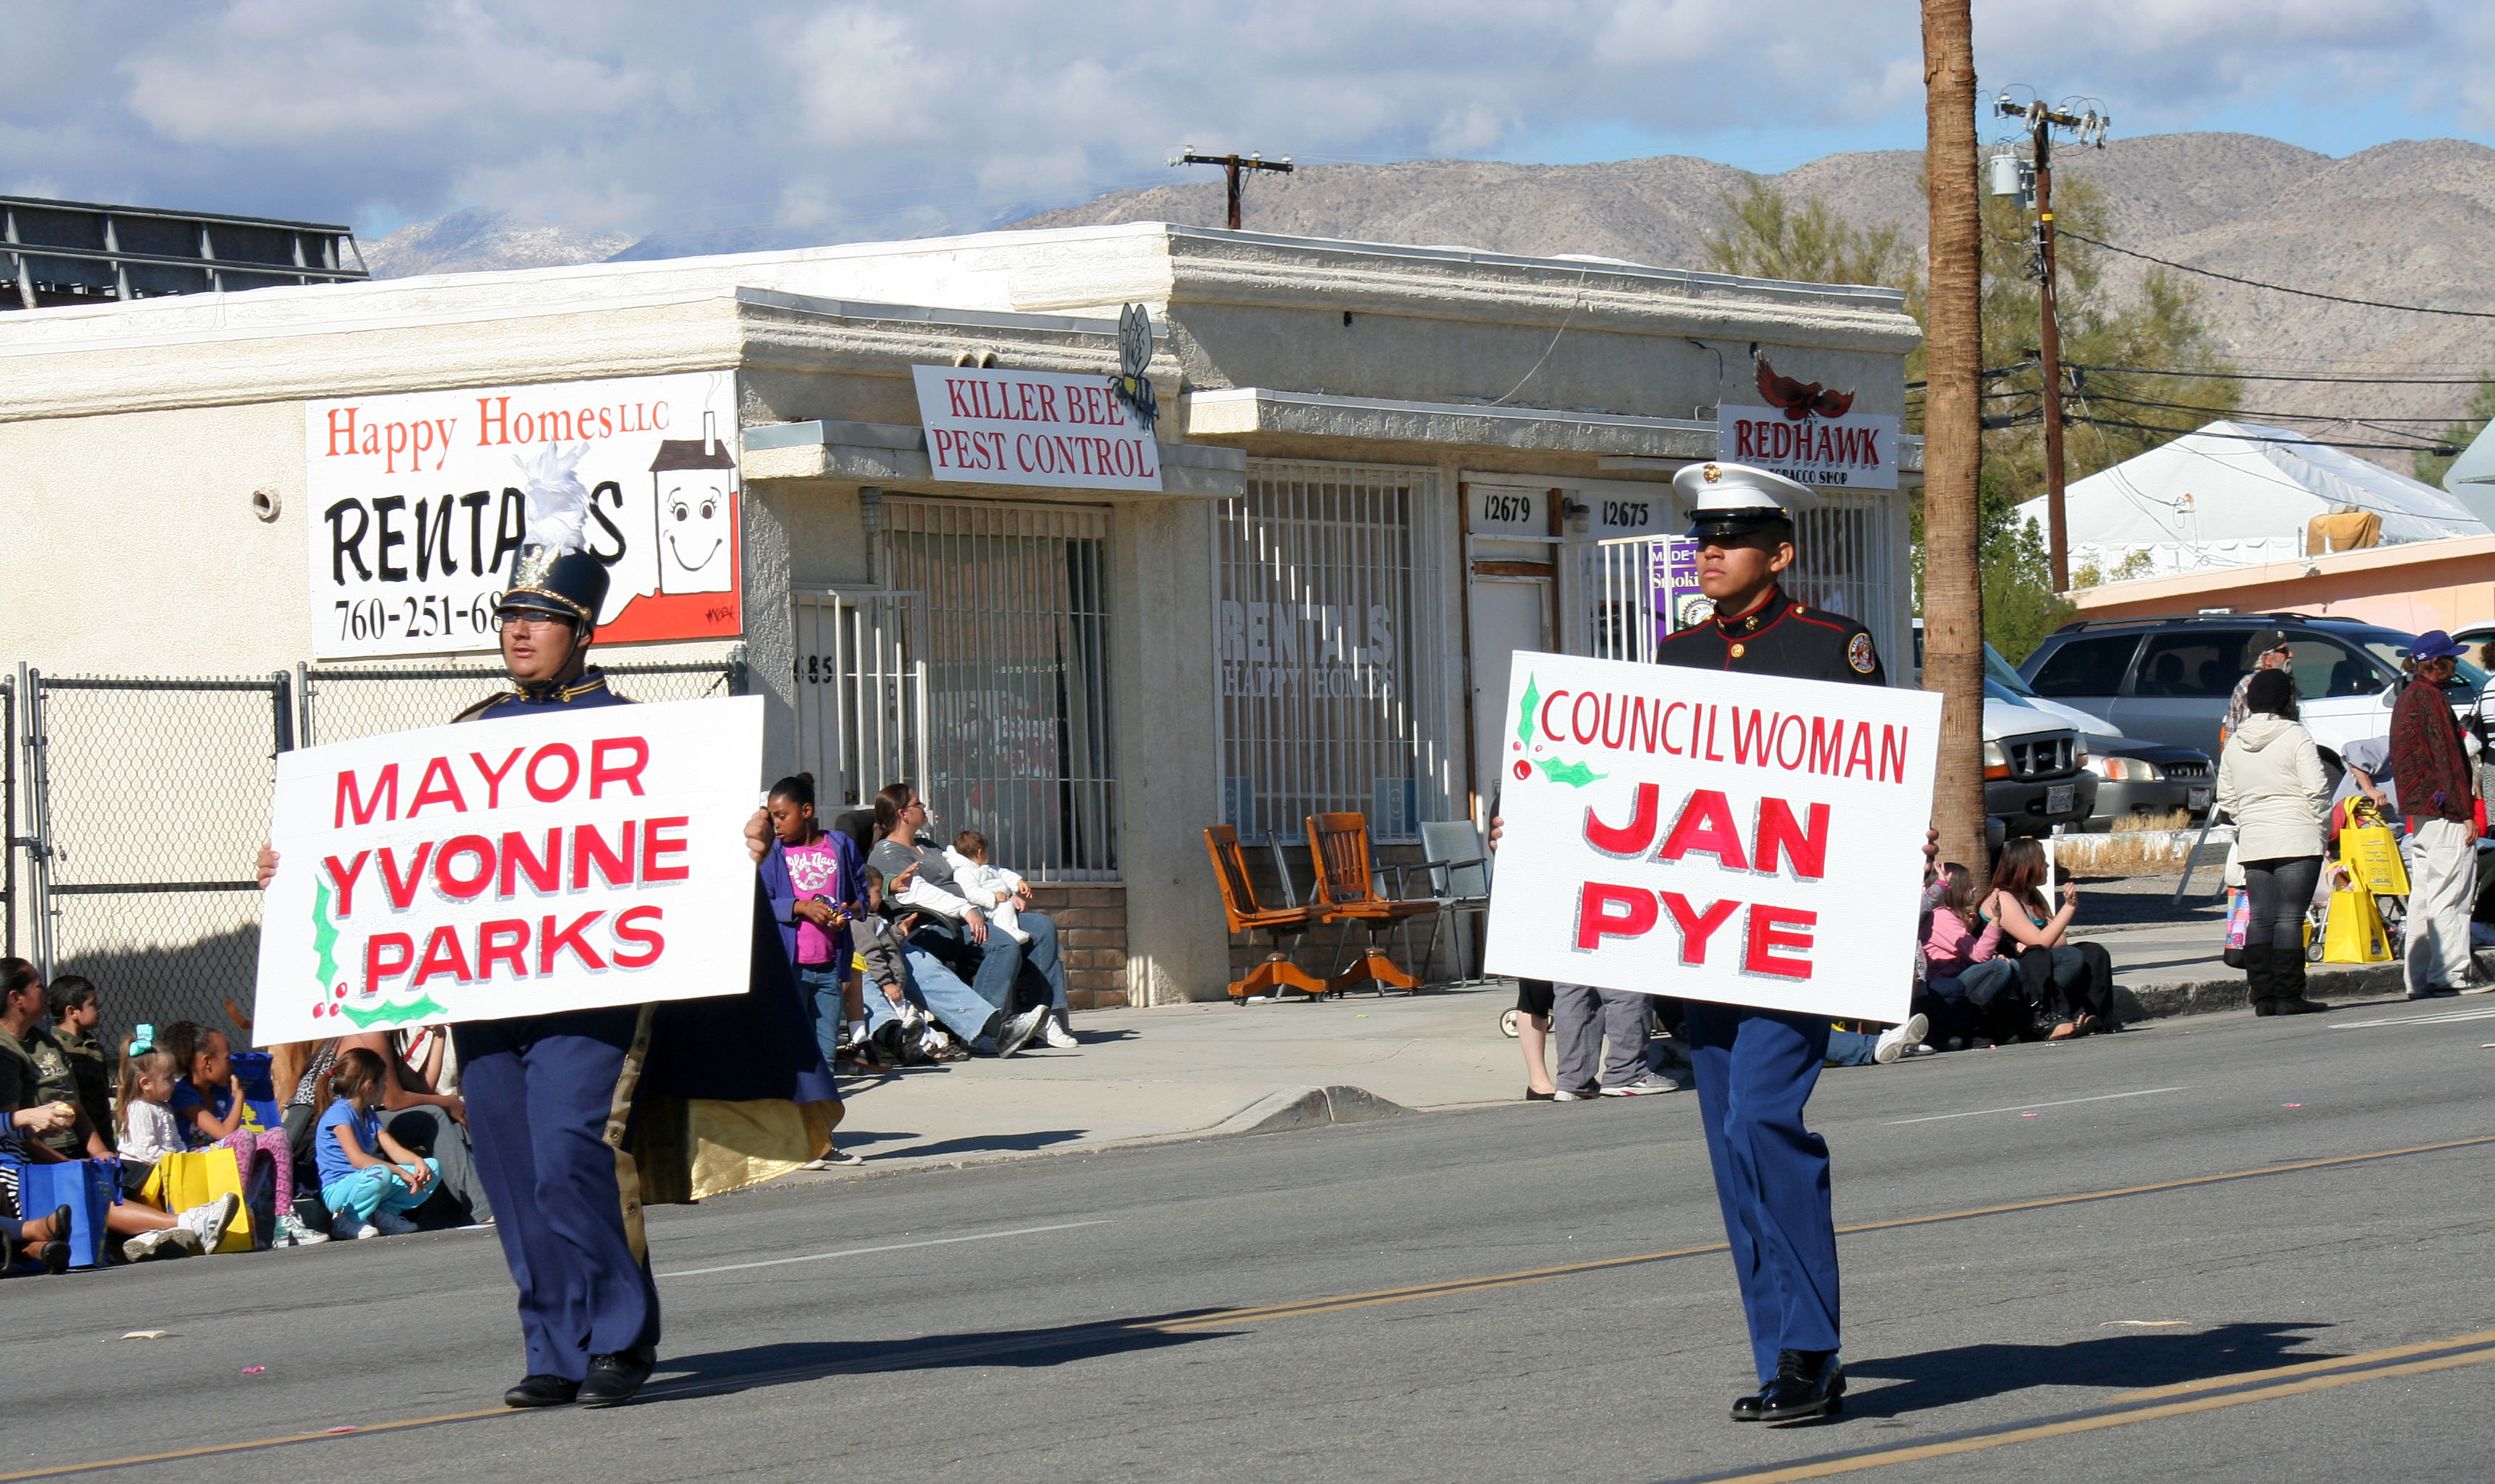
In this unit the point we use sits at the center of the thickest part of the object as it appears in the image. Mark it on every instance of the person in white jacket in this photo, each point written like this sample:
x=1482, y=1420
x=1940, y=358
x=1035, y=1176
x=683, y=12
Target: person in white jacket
x=2271, y=784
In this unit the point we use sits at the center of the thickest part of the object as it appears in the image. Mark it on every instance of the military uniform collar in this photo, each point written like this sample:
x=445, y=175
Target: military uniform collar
x=550, y=693
x=1768, y=610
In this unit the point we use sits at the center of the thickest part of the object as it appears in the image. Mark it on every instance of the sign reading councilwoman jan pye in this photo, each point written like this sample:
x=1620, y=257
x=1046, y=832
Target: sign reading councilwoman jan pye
x=1743, y=839
x=518, y=867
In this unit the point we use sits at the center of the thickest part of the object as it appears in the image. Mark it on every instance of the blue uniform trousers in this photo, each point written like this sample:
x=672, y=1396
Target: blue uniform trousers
x=539, y=1090
x=1755, y=1070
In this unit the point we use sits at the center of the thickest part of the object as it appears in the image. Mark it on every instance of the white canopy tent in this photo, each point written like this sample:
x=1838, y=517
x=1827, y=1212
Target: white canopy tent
x=2238, y=494
x=2471, y=479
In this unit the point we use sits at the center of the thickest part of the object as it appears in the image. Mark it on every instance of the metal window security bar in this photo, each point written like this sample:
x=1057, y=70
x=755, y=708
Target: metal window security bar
x=1015, y=640
x=149, y=800
x=861, y=692
x=1326, y=641
x=343, y=702
x=1617, y=586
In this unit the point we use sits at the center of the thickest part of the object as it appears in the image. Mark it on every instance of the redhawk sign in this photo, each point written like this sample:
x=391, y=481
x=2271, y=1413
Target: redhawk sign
x=1857, y=449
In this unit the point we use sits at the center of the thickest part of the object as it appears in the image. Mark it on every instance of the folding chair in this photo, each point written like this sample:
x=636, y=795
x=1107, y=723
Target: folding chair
x=1348, y=892
x=1458, y=870
x=1239, y=904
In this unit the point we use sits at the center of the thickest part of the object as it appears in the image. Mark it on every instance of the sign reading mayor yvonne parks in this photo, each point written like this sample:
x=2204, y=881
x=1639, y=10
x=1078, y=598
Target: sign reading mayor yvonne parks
x=1735, y=838
x=994, y=427
x=509, y=868
x=416, y=510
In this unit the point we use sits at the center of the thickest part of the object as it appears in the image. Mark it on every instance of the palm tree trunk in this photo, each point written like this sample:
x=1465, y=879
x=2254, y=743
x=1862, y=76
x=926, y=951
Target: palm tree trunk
x=1952, y=448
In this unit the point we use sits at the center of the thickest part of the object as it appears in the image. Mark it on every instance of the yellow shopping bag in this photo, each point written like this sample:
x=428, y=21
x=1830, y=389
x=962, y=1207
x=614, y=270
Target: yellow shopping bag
x=2372, y=853
x=2354, y=933
x=182, y=1181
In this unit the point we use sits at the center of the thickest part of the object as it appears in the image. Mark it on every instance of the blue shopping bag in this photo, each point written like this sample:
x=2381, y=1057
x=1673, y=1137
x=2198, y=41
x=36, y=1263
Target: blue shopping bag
x=89, y=1188
x=259, y=1100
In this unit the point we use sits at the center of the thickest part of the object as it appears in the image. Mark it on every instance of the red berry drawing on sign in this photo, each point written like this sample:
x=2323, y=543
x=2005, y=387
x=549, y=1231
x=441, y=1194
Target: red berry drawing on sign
x=1524, y=769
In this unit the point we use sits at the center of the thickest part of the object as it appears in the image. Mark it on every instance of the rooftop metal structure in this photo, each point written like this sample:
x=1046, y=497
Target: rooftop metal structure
x=70, y=252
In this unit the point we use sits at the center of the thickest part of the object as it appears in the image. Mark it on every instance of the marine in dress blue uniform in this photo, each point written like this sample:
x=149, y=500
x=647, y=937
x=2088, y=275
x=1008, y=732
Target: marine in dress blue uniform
x=556, y=1101
x=1756, y=1067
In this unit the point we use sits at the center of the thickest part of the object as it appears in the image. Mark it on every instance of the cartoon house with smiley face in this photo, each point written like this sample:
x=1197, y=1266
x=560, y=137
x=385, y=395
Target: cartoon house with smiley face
x=695, y=482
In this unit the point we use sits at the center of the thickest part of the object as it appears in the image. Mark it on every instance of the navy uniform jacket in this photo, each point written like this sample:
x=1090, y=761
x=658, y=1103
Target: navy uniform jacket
x=1780, y=637
x=742, y=1048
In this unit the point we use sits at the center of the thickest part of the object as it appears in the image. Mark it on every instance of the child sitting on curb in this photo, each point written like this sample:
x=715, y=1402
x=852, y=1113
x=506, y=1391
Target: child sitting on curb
x=368, y=1179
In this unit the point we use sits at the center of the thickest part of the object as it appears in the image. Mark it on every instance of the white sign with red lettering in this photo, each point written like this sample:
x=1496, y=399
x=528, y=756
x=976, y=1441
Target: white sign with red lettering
x=1857, y=451
x=995, y=427
x=1741, y=839
x=503, y=868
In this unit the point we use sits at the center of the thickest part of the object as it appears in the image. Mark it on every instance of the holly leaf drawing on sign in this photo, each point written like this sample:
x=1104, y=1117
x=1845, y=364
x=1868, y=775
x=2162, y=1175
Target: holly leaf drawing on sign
x=1576, y=775
x=1525, y=712
x=324, y=939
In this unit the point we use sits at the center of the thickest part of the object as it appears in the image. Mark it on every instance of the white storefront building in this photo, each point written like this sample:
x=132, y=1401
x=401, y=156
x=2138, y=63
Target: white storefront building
x=1379, y=471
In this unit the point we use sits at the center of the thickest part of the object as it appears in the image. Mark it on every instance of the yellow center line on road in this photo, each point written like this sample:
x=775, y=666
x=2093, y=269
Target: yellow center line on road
x=2117, y=1414
x=1446, y=1287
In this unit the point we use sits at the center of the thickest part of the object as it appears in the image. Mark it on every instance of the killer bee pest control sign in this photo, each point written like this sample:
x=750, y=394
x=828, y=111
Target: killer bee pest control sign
x=417, y=510
x=1734, y=838
x=513, y=867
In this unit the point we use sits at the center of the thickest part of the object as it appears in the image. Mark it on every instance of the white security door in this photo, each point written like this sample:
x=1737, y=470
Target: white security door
x=1508, y=614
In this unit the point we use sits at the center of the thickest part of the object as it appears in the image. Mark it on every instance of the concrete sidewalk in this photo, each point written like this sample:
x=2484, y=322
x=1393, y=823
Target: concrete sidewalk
x=1198, y=1070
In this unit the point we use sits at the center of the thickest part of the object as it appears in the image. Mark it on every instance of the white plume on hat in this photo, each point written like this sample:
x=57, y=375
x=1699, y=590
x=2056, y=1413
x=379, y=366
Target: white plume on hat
x=558, y=502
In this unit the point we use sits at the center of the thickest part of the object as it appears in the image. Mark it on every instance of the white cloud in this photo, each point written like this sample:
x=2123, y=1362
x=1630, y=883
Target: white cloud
x=871, y=117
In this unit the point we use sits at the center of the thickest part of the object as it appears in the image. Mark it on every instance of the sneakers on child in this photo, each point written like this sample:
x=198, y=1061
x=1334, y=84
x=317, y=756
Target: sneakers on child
x=1895, y=1041
x=209, y=1221
x=167, y=1241
x=350, y=1228
x=391, y=1223
x=293, y=1232
x=1055, y=1031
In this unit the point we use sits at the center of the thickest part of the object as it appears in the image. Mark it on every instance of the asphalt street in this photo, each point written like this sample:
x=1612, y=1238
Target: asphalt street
x=1527, y=1291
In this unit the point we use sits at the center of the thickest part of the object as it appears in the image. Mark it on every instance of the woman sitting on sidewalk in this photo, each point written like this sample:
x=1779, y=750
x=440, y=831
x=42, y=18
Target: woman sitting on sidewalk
x=2271, y=784
x=2070, y=986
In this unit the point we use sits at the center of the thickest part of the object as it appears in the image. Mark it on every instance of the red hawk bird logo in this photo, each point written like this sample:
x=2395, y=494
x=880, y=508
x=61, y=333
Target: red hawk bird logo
x=1801, y=399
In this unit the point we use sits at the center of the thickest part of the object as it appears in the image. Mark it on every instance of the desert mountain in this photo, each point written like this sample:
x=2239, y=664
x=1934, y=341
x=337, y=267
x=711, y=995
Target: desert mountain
x=481, y=241
x=2411, y=222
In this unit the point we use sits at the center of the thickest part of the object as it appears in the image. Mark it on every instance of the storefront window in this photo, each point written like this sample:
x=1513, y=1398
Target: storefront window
x=1325, y=630
x=1016, y=642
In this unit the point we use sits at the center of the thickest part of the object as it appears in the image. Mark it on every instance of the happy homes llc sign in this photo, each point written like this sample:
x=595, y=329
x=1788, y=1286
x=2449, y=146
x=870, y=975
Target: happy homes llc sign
x=995, y=427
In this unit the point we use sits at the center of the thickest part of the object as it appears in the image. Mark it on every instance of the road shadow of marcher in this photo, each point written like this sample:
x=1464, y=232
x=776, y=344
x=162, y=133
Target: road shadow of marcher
x=723, y=1372
x=2126, y=1362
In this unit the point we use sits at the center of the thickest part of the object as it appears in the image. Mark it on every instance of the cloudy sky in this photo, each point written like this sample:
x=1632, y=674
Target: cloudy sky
x=845, y=120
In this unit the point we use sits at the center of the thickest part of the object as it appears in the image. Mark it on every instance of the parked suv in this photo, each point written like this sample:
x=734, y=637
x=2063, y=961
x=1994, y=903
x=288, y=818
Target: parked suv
x=2169, y=679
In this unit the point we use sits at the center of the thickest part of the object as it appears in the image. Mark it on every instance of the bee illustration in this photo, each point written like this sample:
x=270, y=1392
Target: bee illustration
x=1134, y=357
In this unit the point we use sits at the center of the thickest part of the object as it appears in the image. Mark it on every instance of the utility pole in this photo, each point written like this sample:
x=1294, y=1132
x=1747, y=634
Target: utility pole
x=1231, y=166
x=1953, y=434
x=2041, y=122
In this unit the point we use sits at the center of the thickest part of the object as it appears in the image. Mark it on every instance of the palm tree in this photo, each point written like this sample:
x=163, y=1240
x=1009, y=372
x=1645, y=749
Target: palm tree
x=1953, y=446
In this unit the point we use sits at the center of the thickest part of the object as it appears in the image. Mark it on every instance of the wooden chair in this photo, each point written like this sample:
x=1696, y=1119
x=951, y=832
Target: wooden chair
x=1239, y=904
x=1347, y=891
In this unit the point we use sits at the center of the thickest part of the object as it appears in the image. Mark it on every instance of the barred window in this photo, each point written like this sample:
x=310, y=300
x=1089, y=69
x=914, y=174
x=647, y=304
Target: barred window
x=1326, y=635
x=1016, y=643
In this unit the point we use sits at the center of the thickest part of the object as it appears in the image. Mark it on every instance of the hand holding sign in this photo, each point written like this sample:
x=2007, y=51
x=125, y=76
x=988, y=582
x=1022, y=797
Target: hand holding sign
x=1736, y=838
x=510, y=868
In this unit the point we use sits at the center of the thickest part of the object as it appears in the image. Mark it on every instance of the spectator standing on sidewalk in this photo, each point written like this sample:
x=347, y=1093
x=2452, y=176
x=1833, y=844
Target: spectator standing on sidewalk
x=1602, y=1044
x=2239, y=705
x=2271, y=784
x=2436, y=796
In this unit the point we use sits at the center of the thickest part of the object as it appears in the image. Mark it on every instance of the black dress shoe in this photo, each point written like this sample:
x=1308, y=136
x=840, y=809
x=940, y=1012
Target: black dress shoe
x=613, y=1378
x=541, y=1391
x=1746, y=1408
x=1809, y=1383
x=2298, y=1007
x=57, y=1252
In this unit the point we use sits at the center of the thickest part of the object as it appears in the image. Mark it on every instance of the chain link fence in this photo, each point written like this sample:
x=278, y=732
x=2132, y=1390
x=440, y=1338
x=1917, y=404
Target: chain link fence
x=151, y=800
x=10, y=842
x=341, y=703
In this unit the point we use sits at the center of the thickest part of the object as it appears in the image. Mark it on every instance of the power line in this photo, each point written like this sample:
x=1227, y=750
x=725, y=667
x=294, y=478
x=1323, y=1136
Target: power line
x=2310, y=294
x=2254, y=376
x=2222, y=411
x=2440, y=450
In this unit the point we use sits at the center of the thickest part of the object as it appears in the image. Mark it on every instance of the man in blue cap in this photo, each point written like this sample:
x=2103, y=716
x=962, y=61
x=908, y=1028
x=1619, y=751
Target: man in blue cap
x=2432, y=765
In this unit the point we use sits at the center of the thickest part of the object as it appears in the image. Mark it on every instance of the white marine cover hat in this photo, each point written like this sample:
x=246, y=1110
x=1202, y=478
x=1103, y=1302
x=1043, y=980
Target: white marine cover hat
x=1737, y=499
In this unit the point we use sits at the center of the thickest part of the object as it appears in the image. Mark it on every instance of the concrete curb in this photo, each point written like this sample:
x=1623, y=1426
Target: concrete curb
x=1302, y=1107
x=2329, y=983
